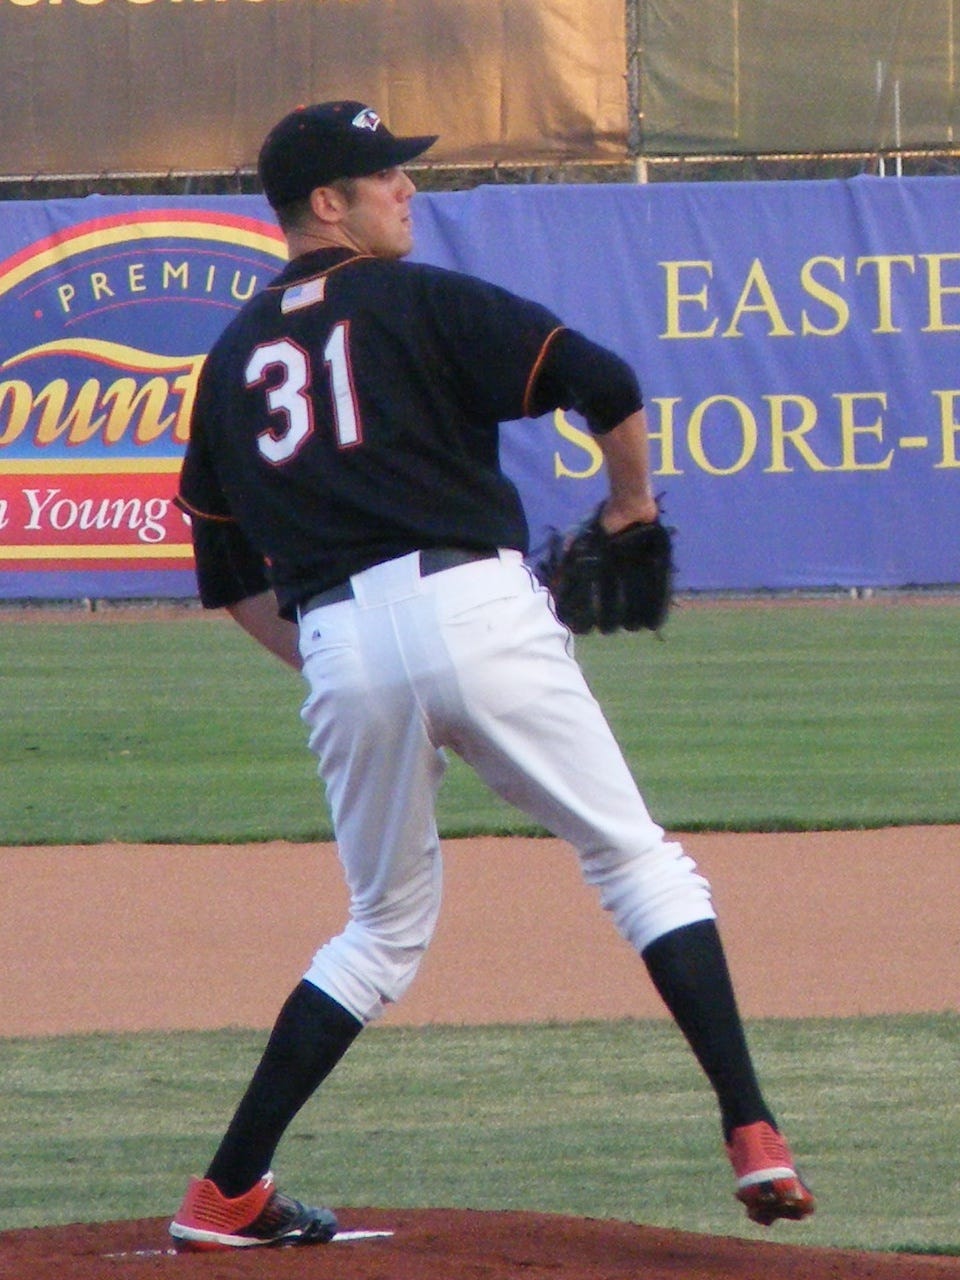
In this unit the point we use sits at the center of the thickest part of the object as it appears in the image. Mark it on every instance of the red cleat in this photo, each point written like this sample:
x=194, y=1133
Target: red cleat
x=768, y=1184
x=262, y=1216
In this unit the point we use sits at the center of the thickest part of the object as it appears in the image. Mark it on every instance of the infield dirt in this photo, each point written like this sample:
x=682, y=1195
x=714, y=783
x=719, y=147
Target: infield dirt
x=815, y=924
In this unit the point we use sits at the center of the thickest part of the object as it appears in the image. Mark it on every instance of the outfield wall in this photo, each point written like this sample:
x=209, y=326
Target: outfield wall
x=797, y=343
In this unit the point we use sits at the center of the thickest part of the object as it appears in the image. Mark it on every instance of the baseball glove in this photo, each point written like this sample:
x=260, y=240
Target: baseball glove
x=610, y=581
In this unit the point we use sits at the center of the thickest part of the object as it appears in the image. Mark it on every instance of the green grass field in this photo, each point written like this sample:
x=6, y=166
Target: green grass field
x=595, y=1119
x=750, y=716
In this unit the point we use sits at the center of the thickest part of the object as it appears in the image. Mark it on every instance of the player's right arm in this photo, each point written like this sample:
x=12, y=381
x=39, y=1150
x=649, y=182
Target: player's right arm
x=259, y=618
x=231, y=573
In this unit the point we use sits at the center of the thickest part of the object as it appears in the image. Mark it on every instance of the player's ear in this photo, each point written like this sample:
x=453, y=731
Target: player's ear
x=327, y=204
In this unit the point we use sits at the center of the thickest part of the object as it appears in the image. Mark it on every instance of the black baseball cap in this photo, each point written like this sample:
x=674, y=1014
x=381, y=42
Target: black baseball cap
x=315, y=145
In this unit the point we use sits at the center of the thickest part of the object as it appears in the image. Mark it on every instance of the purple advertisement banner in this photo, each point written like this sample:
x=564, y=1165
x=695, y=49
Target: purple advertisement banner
x=796, y=342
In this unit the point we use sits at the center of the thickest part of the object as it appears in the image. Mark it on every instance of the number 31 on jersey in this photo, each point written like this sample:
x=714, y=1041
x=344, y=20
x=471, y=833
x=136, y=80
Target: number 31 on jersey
x=289, y=400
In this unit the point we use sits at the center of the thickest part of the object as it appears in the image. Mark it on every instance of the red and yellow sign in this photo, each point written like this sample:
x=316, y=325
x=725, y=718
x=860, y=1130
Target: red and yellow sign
x=104, y=325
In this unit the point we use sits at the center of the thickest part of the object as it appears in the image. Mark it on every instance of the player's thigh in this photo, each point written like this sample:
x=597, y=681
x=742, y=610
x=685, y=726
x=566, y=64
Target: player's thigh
x=531, y=727
x=379, y=767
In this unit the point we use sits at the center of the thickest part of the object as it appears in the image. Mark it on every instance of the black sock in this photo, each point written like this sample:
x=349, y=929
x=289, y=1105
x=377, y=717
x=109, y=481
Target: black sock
x=689, y=970
x=310, y=1036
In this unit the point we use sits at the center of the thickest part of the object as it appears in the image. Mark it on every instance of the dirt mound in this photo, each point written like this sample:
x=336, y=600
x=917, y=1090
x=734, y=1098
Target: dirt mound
x=442, y=1244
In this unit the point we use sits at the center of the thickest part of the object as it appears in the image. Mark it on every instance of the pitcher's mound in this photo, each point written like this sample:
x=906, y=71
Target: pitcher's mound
x=452, y=1244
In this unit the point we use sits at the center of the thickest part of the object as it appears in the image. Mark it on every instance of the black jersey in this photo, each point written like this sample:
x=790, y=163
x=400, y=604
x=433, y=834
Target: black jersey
x=350, y=414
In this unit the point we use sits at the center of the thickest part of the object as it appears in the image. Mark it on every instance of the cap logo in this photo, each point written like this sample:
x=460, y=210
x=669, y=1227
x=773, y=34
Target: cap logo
x=366, y=119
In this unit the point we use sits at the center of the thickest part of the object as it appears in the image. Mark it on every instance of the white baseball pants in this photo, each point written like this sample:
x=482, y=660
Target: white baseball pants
x=474, y=660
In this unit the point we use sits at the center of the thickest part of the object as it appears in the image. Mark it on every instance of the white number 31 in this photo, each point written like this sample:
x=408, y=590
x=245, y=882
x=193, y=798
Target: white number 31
x=289, y=398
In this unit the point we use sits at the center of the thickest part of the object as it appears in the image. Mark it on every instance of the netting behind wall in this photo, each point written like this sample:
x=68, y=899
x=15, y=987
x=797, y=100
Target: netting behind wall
x=792, y=87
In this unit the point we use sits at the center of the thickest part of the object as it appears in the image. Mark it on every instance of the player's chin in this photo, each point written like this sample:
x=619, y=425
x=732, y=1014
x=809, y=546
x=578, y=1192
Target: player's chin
x=398, y=247
x=403, y=238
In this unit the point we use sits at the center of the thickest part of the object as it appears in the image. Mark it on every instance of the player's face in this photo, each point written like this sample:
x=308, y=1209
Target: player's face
x=378, y=218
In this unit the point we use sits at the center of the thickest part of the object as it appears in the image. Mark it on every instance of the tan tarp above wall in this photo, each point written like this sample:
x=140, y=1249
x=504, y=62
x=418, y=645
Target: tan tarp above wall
x=753, y=76
x=153, y=86
x=139, y=86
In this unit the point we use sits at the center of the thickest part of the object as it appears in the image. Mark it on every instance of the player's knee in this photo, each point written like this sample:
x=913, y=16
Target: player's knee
x=395, y=936
x=652, y=893
x=395, y=966
x=366, y=973
x=373, y=962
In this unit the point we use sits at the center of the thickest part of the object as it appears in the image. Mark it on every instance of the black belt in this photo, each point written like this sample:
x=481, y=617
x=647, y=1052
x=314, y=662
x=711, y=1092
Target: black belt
x=433, y=560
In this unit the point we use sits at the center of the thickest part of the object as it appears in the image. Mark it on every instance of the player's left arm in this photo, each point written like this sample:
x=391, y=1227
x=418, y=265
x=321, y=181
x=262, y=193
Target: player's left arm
x=626, y=453
x=575, y=372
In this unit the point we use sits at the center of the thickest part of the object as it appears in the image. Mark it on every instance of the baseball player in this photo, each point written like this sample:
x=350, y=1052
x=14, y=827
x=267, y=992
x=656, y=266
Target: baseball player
x=349, y=511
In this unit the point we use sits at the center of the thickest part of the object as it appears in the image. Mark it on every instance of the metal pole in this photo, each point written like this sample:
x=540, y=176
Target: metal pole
x=632, y=25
